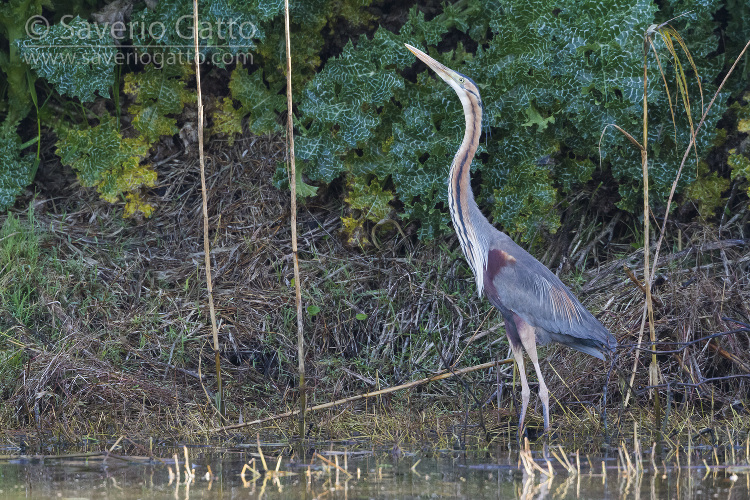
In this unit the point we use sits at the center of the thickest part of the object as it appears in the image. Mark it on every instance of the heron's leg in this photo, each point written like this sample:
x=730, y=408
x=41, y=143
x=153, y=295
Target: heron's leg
x=517, y=350
x=527, y=333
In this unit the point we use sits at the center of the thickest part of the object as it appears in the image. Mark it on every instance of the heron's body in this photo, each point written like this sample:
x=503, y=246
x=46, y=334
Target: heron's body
x=536, y=306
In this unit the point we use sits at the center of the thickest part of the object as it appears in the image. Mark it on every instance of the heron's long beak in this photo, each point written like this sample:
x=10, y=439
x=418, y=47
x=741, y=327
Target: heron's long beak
x=443, y=71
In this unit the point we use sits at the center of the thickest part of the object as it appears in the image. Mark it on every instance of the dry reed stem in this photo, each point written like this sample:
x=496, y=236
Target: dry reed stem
x=295, y=255
x=204, y=198
x=628, y=465
x=260, y=452
x=649, y=306
x=380, y=392
x=563, y=460
x=245, y=467
x=568, y=465
x=530, y=464
x=654, y=367
x=335, y=465
x=189, y=471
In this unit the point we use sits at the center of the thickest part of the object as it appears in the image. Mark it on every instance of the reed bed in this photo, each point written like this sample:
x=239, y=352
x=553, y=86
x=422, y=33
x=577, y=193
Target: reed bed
x=118, y=339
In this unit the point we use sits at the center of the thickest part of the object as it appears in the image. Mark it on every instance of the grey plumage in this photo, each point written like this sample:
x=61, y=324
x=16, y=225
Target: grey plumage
x=539, y=297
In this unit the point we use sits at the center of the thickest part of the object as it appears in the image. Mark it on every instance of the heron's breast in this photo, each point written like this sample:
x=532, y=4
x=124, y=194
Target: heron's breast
x=496, y=260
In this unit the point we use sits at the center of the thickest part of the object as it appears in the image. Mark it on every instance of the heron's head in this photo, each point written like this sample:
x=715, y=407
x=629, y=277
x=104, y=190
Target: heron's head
x=462, y=84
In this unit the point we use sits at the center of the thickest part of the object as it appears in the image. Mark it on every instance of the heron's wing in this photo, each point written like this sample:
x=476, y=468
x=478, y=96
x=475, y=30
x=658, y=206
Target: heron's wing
x=516, y=281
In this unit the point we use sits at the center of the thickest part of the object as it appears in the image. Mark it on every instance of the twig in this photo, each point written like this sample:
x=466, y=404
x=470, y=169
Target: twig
x=440, y=376
x=728, y=355
x=690, y=385
x=316, y=454
x=683, y=345
x=113, y=447
x=604, y=232
x=169, y=366
x=706, y=247
x=640, y=285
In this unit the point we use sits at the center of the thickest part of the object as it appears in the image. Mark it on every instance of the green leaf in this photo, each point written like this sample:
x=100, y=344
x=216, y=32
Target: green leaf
x=370, y=198
x=227, y=120
x=259, y=103
x=14, y=17
x=343, y=99
x=304, y=190
x=361, y=316
x=740, y=164
x=16, y=171
x=227, y=29
x=77, y=57
x=313, y=310
x=707, y=189
x=157, y=93
x=535, y=118
x=104, y=159
x=369, y=202
x=268, y=9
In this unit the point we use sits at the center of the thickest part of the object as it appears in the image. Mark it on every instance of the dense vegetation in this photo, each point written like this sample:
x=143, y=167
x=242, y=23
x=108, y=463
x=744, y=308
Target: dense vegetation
x=552, y=77
x=100, y=288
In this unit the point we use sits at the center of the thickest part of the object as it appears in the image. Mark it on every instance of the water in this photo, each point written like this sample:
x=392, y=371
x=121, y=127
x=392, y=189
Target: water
x=373, y=475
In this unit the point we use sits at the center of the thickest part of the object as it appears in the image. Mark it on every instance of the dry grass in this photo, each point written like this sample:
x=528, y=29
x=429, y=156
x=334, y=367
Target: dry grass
x=115, y=347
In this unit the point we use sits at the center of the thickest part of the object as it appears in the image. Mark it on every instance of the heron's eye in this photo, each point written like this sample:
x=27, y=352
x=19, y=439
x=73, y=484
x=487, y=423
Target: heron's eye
x=460, y=80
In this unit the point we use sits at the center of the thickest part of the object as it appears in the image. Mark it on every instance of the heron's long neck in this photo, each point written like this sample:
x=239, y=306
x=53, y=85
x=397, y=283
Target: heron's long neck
x=463, y=208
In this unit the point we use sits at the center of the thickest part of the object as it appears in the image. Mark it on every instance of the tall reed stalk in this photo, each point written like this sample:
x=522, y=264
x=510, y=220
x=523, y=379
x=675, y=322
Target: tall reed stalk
x=295, y=255
x=669, y=35
x=653, y=371
x=204, y=195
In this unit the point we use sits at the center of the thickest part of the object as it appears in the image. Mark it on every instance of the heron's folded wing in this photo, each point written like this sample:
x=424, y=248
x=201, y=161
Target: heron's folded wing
x=526, y=287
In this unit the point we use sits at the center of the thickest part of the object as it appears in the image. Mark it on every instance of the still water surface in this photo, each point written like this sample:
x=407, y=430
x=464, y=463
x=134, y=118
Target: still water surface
x=373, y=475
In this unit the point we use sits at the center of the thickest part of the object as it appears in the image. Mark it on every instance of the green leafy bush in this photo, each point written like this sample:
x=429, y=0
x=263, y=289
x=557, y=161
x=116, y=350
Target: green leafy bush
x=227, y=28
x=76, y=57
x=16, y=171
x=104, y=159
x=360, y=117
x=158, y=93
x=740, y=164
x=552, y=77
x=13, y=16
x=257, y=102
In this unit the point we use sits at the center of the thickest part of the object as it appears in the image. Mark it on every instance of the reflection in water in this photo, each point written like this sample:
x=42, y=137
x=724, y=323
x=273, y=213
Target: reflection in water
x=364, y=475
